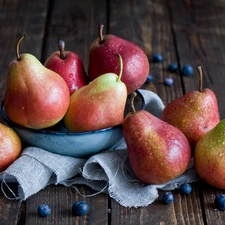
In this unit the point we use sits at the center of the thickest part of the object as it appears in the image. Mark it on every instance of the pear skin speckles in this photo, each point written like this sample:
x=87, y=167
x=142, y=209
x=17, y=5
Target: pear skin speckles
x=157, y=151
x=209, y=156
x=194, y=113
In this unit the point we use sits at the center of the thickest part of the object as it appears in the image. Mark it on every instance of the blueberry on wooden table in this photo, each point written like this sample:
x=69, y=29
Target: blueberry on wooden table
x=219, y=202
x=80, y=208
x=149, y=79
x=167, y=198
x=168, y=81
x=44, y=210
x=185, y=189
x=187, y=70
x=173, y=67
x=157, y=58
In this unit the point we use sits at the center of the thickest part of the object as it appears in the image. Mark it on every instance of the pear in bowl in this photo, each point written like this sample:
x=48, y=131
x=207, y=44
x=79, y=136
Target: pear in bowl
x=75, y=144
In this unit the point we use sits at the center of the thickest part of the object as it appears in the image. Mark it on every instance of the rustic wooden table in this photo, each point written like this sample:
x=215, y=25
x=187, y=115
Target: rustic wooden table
x=186, y=32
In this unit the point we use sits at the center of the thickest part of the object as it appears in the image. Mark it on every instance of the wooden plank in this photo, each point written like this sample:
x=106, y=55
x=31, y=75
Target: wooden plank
x=16, y=19
x=212, y=215
x=10, y=210
x=184, y=210
x=61, y=199
x=75, y=22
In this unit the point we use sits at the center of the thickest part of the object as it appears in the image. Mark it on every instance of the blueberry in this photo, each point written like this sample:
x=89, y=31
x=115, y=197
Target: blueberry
x=173, y=67
x=80, y=208
x=149, y=79
x=167, y=198
x=168, y=81
x=219, y=202
x=44, y=210
x=185, y=189
x=157, y=58
x=187, y=70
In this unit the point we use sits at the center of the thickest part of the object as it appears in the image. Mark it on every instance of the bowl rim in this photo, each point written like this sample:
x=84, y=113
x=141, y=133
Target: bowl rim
x=58, y=132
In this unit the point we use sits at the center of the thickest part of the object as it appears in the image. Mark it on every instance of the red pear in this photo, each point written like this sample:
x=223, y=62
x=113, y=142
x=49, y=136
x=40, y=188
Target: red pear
x=69, y=66
x=194, y=113
x=102, y=60
x=36, y=97
x=10, y=146
x=158, y=152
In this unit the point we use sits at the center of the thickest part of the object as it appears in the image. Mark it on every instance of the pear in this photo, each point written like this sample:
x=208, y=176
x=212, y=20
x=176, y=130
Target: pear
x=157, y=151
x=102, y=60
x=10, y=146
x=98, y=105
x=194, y=113
x=209, y=156
x=69, y=66
x=36, y=97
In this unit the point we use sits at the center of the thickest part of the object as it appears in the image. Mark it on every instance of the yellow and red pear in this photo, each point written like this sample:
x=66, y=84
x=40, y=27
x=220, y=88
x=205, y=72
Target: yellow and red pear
x=209, y=156
x=98, y=105
x=194, y=113
x=36, y=97
x=157, y=151
x=10, y=146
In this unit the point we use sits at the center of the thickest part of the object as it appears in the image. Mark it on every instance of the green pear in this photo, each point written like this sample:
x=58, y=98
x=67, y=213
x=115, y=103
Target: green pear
x=209, y=156
x=194, y=113
x=157, y=151
x=98, y=105
x=36, y=97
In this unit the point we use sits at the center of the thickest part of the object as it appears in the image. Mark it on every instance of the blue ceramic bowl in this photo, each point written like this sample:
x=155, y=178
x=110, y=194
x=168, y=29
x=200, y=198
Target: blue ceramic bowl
x=80, y=145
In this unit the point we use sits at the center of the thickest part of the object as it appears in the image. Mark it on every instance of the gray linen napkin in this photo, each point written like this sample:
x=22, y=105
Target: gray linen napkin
x=108, y=171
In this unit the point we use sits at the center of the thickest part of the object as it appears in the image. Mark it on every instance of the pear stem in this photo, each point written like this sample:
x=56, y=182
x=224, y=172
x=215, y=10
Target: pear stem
x=121, y=66
x=199, y=68
x=18, y=47
x=132, y=96
x=100, y=30
x=61, y=46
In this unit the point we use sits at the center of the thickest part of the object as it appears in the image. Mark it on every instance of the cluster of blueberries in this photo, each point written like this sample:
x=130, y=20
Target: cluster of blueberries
x=219, y=201
x=79, y=208
x=187, y=70
x=168, y=198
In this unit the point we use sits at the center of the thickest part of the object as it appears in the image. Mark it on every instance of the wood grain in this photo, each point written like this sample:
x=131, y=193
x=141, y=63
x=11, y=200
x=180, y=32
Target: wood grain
x=149, y=26
x=77, y=24
x=61, y=199
x=10, y=210
x=199, y=32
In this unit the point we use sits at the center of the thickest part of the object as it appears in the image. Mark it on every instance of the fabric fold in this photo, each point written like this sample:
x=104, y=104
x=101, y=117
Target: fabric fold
x=36, y=168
